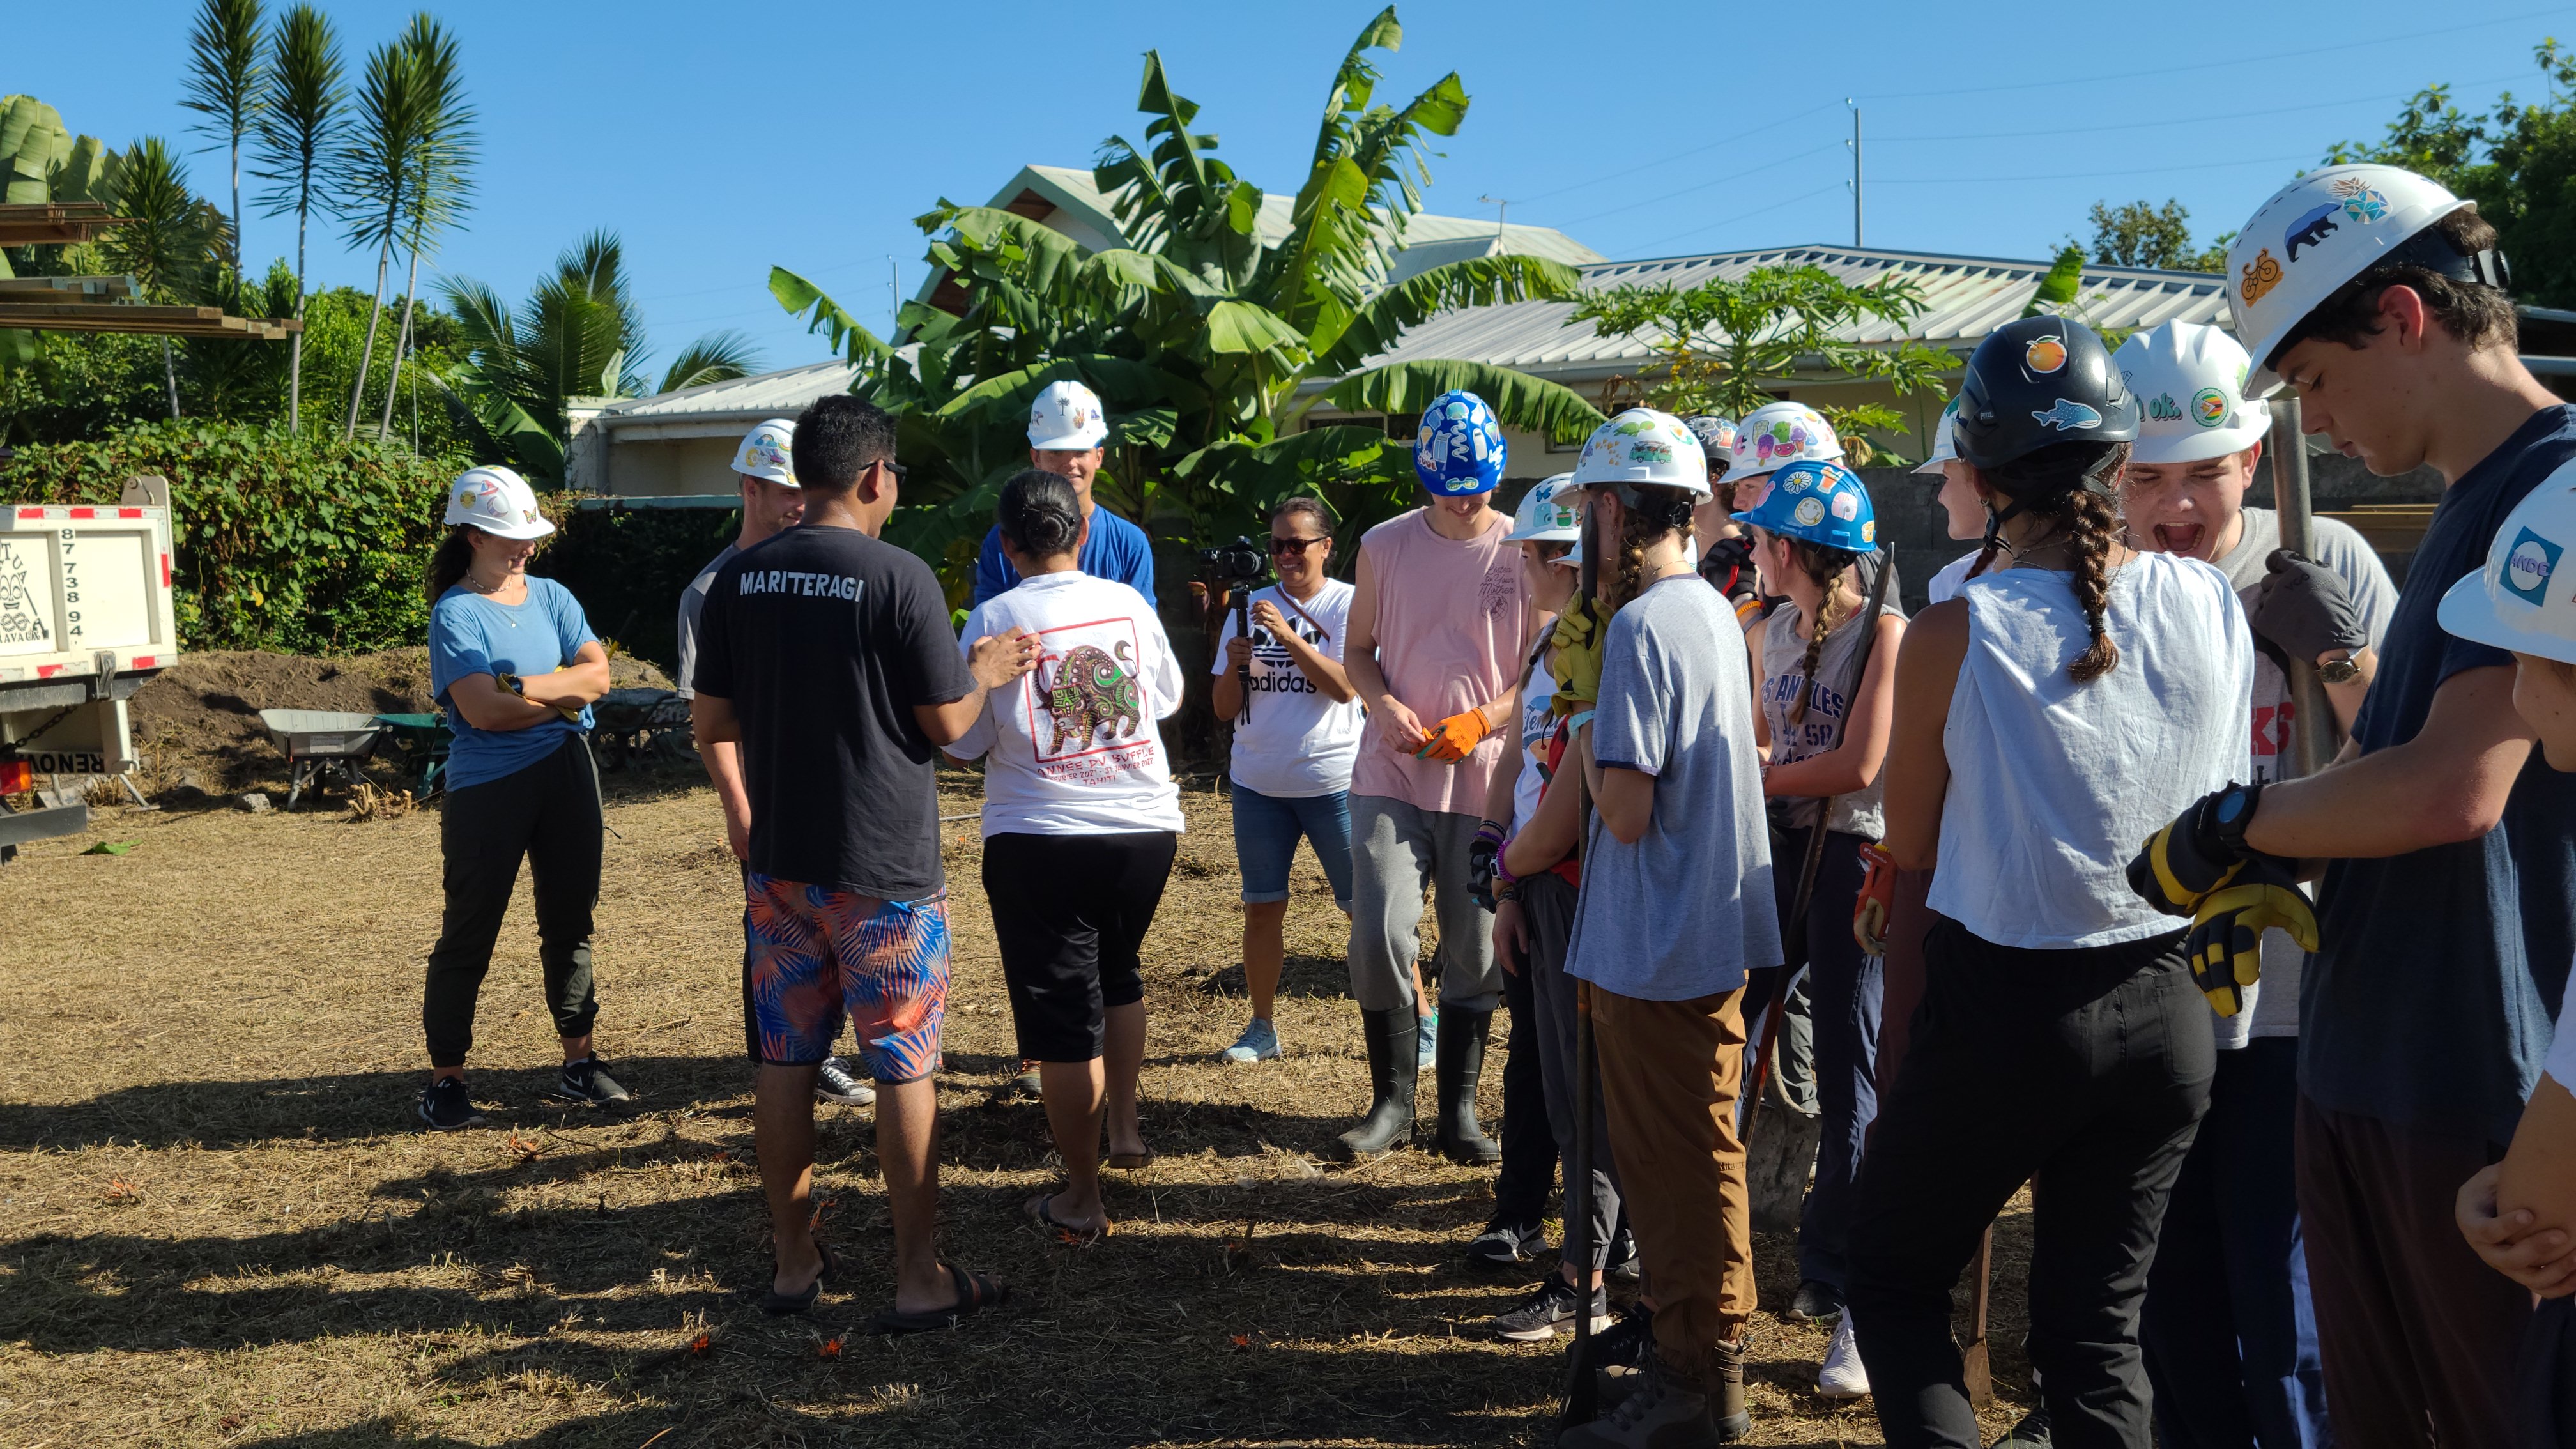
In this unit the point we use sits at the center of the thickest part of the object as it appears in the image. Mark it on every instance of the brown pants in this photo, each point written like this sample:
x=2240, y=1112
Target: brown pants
x=1670, y=1074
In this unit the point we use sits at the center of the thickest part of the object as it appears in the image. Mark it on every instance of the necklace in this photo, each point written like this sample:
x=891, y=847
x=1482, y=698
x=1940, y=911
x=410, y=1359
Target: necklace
x=471, y=582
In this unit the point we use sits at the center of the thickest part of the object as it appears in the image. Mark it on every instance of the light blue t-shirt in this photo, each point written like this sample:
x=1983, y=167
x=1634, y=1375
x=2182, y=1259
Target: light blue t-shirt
x=1687, y=910
x=470, y=634
x=1112, y=548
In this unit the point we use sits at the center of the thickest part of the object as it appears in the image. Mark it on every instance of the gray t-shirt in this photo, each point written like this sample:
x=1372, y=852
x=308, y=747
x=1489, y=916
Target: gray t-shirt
x=1784, y=656
x=693, y=601
x=1685, y=911
x=2275, y=1009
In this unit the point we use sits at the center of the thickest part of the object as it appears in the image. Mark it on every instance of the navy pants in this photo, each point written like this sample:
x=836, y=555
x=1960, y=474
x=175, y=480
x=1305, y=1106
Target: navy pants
x=1529, y=1141
x=1844, y=990
x=2229, y=1333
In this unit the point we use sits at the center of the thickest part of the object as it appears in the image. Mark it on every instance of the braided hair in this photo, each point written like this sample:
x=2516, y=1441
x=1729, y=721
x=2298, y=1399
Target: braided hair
x=1648, y=512
x=1827, y=567
x=2058, y=484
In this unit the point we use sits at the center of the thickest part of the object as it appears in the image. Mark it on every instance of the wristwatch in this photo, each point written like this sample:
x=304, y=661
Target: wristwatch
x=2342, y=671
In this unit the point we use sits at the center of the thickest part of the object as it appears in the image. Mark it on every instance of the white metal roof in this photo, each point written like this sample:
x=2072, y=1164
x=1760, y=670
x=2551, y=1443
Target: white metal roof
x=743, y=401
x=1965, y=298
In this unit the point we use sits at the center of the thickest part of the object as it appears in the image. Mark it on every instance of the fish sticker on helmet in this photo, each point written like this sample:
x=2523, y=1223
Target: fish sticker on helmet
x=2064, y=414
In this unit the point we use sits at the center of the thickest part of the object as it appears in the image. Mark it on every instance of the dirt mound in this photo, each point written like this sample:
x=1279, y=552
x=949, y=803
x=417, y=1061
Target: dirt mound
x=201, y=715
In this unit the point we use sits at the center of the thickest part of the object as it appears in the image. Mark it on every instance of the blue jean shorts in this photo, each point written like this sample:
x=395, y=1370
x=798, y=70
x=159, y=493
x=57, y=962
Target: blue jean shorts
x=1266, y=828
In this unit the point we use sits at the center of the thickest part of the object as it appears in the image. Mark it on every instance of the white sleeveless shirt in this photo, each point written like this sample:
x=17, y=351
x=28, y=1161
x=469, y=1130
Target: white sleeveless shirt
x=2055, y=785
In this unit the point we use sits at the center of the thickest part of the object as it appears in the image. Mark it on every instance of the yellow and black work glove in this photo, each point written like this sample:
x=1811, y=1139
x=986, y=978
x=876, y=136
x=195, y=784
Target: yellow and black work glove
x=2226, y=941
x=2197, y=853
x=1577, y=665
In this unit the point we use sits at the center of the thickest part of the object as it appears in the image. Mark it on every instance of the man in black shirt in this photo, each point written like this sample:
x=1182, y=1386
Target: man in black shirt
x=825, y=654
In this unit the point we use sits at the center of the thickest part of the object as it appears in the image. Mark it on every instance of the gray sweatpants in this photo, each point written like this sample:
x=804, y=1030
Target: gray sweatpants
x=1395, y=850
x=1547, y=904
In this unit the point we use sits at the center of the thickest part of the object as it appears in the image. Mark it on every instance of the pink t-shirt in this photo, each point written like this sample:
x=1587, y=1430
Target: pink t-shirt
x=1449, y=622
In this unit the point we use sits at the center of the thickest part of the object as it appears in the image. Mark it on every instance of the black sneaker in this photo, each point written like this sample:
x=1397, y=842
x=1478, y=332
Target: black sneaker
x=588, y=1080
x=446, y=1106
x=1504, y=1242
x=1549, y=1307
x=2030, y=1433
x=1815, y=1303
x=833, y=1083
x=1628, y=1343
x=1623, y=1263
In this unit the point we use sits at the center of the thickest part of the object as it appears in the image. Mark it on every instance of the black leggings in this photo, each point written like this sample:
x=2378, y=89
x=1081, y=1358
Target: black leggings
x=1070, y=912
x=549, y=813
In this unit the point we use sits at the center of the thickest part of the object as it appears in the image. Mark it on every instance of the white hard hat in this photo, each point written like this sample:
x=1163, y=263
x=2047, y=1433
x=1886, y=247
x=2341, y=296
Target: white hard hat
x=1945, y=440
x=2314, y=235
x=1546, y=513
x=1067, y=418
x=768, y=452
x=1775, y=435
x=2515, y=602
x=497, y=501
x=2189, y=382
x=1642, y=445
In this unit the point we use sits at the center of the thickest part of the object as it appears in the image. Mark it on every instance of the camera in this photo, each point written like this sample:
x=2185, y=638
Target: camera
x=1234, y=564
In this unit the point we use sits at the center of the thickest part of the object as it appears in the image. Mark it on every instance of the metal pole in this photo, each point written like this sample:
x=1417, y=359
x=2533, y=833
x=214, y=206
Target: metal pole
x=2311, y=713
x=1856, y=176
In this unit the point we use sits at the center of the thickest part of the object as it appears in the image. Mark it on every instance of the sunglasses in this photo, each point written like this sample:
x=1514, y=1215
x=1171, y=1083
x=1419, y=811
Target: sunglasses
x=1283, y=547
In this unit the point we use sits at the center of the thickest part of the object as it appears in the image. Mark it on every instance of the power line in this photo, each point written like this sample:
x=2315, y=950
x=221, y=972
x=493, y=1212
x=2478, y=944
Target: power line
x=1741, y=216
x=1662, y=197
x=2194, y=120
x=1679, y=155
x=2091, y=175
x=1952, y=92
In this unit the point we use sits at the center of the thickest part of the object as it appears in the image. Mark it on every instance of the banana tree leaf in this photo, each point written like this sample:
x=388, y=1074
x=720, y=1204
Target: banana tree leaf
x=1519, y=400
x=1471, y=282
x=527, y=441
x=1234, y=326
x=1144, y=425
x=843, y=331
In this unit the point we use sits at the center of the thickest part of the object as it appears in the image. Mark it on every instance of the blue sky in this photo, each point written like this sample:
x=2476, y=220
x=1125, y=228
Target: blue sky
x=720, y=139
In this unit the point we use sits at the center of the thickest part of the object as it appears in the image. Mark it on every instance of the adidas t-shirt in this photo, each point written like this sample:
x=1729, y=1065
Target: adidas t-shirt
x=1298, y=743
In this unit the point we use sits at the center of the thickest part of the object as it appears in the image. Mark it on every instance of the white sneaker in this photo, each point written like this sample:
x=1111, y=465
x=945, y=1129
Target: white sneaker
x=1842, y=1377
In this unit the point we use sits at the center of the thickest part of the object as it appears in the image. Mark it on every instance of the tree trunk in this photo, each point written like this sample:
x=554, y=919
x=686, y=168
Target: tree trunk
x=295, y=348
x=367, y=354
x=237, y=235
x=402, y=343
x=170, y=375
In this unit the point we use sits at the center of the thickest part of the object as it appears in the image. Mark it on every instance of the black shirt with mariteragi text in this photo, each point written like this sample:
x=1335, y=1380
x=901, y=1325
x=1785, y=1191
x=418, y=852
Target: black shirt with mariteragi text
x=824, y=639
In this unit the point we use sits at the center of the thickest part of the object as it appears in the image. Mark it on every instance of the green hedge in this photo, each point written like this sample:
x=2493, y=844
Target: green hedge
x=304, y=545
x=628, y=566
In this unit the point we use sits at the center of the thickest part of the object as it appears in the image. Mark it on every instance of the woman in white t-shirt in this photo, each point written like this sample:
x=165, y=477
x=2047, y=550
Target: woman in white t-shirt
x=1081, y=821
x=1295, y=735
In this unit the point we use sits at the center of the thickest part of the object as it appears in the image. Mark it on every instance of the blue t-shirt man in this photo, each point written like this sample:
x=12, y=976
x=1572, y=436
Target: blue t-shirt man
x=2432, y=1002
x=1112, y=548
x=470, y=634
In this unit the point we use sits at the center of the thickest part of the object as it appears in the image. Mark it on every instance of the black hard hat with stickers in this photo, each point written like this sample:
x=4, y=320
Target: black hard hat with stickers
x=2038, y=381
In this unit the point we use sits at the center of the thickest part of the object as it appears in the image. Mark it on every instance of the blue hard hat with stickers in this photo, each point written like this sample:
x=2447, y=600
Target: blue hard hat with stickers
x=1459, y=448
x=1820, y=503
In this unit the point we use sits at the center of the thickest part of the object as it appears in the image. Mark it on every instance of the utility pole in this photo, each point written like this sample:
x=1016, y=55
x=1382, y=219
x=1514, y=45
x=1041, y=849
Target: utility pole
x=1856, y=174
x=1501, y=215
x=894, y=299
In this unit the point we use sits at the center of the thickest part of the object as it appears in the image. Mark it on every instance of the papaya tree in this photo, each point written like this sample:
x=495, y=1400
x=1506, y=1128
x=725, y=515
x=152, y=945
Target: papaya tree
x=1209, y=335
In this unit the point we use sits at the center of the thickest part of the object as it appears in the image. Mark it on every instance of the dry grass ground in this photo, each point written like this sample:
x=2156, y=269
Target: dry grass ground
x=219, y=1226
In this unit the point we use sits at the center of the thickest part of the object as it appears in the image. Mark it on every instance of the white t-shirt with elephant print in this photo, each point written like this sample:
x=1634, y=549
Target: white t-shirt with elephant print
x=1072, y=748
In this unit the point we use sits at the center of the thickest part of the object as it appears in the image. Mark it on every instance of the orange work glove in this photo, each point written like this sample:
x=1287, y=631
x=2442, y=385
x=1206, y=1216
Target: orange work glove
x=1877, y=898
x=1453, y=737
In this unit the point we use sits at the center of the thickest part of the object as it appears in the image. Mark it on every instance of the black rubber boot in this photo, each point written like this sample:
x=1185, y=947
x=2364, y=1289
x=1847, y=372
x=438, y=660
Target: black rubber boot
x=1393, y=1070
x=1460, y=1059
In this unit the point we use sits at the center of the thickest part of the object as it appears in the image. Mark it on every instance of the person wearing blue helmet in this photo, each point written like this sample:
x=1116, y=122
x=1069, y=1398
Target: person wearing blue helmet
x=1433, y=646
x=1825, y=727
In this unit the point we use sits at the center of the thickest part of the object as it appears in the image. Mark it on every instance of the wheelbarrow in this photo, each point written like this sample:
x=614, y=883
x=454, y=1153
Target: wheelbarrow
x=322, y=745
x=630, y=725
x=420, y=743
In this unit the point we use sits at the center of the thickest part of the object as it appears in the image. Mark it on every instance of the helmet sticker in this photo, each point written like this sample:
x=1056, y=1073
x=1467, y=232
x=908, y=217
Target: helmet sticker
x=2260, y=276
x=2528, y=567
x=1847, y=507
x=1809, y=513
x=1869, y=531
x=2311, y=230
x=1648, y=450
x=1798, y=480
x=2064, y=414
x=2163, y=409
x=2209, y=407
x=2045, y=354
x=2362, y=201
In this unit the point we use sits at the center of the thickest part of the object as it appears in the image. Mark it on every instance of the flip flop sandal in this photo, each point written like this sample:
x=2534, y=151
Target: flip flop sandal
x=1040, y=1214
x=975, y=1293
x=1132, y=1161
x=780, y=1305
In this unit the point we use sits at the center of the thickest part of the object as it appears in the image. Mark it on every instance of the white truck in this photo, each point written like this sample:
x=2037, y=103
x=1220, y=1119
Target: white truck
x=85, y=619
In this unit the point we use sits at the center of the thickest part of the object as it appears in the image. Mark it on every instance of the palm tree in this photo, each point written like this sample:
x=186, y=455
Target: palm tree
x=175, y=237
x=373, y=173
x=225, y=83
x=442, y=171
x=580, y=334
x=301, y=118
x=1208, y=339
